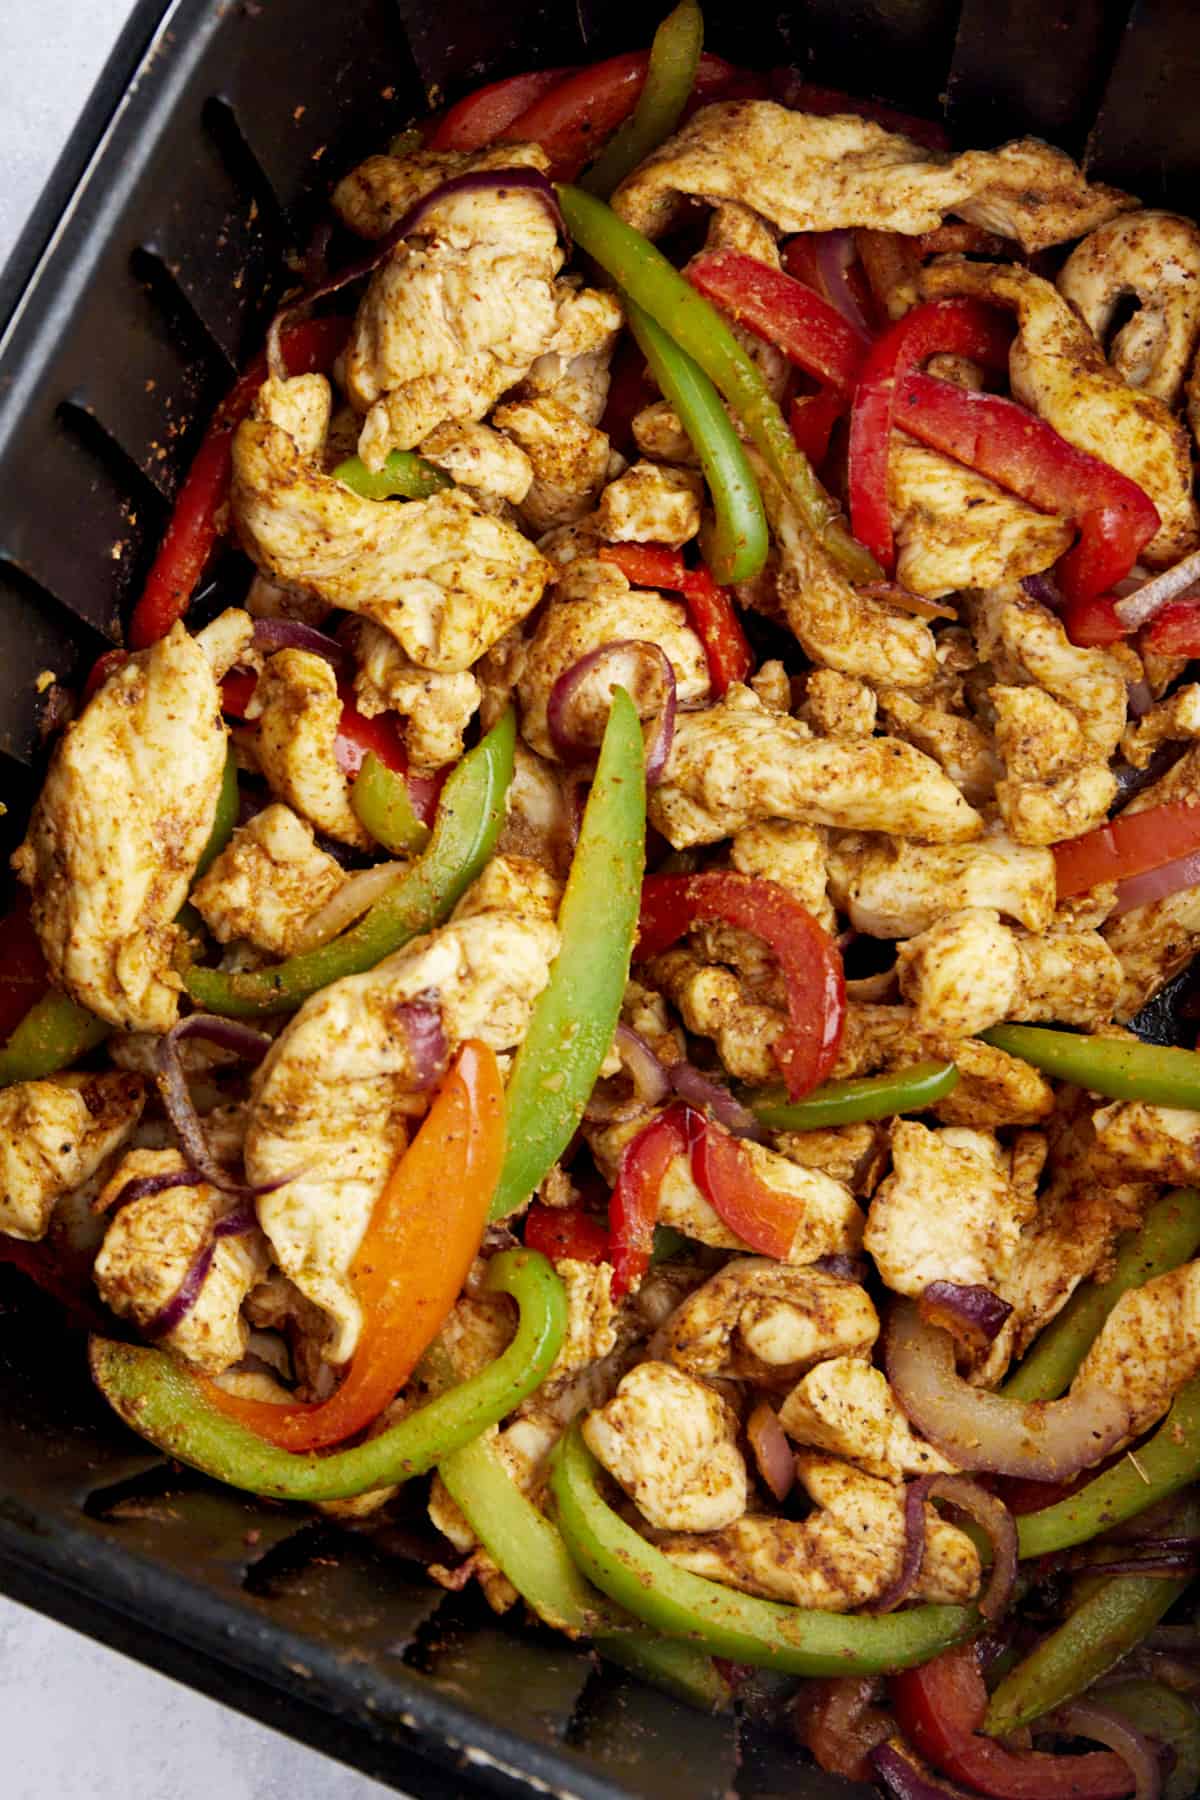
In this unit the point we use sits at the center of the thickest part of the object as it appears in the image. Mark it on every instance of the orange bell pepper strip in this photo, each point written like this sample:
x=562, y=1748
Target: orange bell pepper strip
x=421, y=1241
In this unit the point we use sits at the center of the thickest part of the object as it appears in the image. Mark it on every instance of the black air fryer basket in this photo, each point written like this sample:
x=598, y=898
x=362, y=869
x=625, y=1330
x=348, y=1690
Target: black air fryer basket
x=143, y=280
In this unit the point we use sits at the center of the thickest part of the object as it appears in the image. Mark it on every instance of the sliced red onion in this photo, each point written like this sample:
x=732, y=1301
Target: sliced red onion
x=844, y=1268
x=1083, y=1719
x=1165, y=1563
x=835, y=253
x=480, y=181
x=986, y=1510
x=177, y=1308
x=651, y=1083
x=567, y=742
x=906, y=1776
x=913, y=1553
x=1172, y=584
x=1157, y=884
x=141, y=1185
x=229, y=1034
x=1139, y=696
x=1043, y=589
x=292, y=634
x=421, y=1020
x=1131, y=781
x=702, y=1091
x=772, y=1452
x=972, y=1314
x=1041, y=1440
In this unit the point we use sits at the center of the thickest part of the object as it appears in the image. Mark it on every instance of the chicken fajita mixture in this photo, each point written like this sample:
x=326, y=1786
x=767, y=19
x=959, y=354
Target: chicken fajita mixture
x=593, y=969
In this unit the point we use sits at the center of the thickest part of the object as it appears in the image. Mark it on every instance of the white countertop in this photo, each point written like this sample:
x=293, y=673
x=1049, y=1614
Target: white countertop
x=77, y=1721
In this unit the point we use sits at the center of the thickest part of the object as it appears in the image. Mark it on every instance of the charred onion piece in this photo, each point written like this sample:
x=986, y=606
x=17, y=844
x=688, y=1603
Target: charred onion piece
x=563, y=694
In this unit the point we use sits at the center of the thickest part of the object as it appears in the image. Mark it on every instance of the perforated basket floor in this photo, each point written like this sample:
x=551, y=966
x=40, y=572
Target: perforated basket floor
x=144, y=279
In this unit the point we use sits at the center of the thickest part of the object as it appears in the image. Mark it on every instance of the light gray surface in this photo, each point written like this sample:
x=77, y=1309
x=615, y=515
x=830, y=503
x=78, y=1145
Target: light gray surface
x=78, y=1722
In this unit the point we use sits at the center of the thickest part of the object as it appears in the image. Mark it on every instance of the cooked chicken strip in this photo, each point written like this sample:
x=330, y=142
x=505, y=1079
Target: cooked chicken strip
x=844, y=1555
x=759, y=1320
x=437, y=707
x=1058, y=370
x=445, y=578
x=895, y=890
x=268, y=880
x=55, y=1135
x=671, y=1443
x=738, y=763
x=299, y=717
x=955, y=742
x=1140, y=1142
x=845, y=1407
x=955, y=529
x=810, y=172
x=1155, y=257
x=151, y=1245
x=792, y=855
x=1174, y=720
x=118, y=828
x=1148, y=1348
x=650, y=504
x=332, y=1098
x=1027, y=645
x=1053, y=788
x=568, y=458
x=838, y=705
x=993, y=1088
x=968, y=971
x=493, y=470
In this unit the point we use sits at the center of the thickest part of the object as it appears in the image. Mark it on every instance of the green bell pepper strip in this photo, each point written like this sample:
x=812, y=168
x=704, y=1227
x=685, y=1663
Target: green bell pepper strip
x=525, y=1544
x=469, y=816
x=225, y=817
x=404, y=474
x=674, y=59
x=1154, y=1471
x=1168, y=1235
x=1158, y=1712
x=159, y=1399
x=1108, y=1624
x=1114, y=1067
x=763, y=1633
x=643, y=272
x=576, y=1013
x=864, y=1097
x=382, y=803
x=53, y=1034
x=738, y=545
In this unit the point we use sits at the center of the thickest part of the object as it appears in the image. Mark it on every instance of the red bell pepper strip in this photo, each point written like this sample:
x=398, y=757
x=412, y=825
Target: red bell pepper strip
x=965, y=327
x=1094, y=622
x=1174, y=630
x=633, y=1204
x=567, y=1232
x=1129, y=845
x=808, y=957
x=420, y=1243
x=23, y=975
x=478, y=119
x=101, y=669
x=574, y=118
x=196, y=519
x=710, y=610
x=800, y=322
x=940, y=1708
x=761, y=1216
x=237, y=691
x=812, y=418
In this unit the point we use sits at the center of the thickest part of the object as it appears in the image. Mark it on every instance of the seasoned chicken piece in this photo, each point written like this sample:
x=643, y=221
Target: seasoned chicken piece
x=268, y=880
x=845, y=1406
x=773, y=685
x=576, y=371
x=650, y=504
x=266, y=600
x=540, y=821
x=1057, y=368
x=591, y=1332
x=793, y=856
x=837, y=625
x=300, y=713
x=1148, y=1347
x=855, y=1155
x=568, y=629
x=1154, y=943
x=838, y=705
x=759, y=1320
x=153, y=1244
x=568, y=458
x=671, y=1443
x=54, y=1136
x=494, y=471
x=1027, y=645
x=993, y=1088
x=843, y=1555
x=1155, y=258
x=811, y=172
x=331, y=1099
x=438, y=708
x=117, y=830
x=895, y=890
x=445, y=578
x=955, y=742
x=1051, y=788
x=462, y=308
x=713, y=1002
x=738, y=763
x=1173, y=720
x=968, y=971
x=947, y=1212
x=658, y=434
x=955, y=529
x=1140, y=1142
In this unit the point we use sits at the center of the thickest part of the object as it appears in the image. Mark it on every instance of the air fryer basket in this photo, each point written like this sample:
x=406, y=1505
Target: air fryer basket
x=142, y=281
